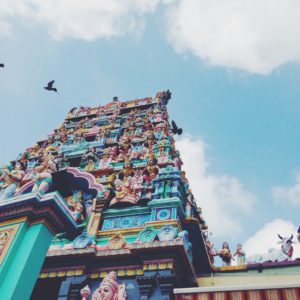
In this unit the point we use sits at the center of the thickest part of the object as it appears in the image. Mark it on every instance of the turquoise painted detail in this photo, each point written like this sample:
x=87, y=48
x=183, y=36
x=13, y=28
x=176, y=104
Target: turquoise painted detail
x=167, y=233
x=20, y=270
x=184, y=235
x=163, y=214
x=173, y=202
x=82, y=241
x=147, y=235
x=174, y=213
x=126, y=211
x=125, y=222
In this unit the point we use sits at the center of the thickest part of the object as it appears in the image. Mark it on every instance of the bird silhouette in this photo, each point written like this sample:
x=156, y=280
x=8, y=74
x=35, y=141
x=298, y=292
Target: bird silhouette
x=175, y=128
x=1, y=65
x=50, y=87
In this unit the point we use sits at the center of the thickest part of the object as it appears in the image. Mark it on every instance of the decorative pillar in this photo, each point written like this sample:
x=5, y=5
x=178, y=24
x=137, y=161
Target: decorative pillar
x=146, y=286
x=70, y=288
x=167, y=284
x=27, y=225
x=96, y=216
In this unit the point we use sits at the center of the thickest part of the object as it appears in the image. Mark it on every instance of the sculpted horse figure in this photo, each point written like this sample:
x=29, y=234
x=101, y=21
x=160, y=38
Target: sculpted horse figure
x=275, y=255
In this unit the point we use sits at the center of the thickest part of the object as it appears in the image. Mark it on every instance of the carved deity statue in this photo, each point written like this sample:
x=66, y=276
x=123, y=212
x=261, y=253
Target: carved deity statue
x=104, y=162
x=240, y=254
x=126, y=184
x=109, y=289
x=42, y=177
x=151, y=171
x=225, y=254
x=163, y=157
x=75, y=204
x=11, y=180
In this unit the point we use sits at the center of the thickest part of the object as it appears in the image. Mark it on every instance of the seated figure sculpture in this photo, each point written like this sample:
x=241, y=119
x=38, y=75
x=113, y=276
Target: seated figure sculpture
x=11, y=180
x=163, y=157
x=125, y=194
x=105, y=162
x=150, y=172
x=75, y=204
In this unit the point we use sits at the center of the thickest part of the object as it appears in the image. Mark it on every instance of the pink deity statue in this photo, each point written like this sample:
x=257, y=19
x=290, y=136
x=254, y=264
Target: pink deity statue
x=124, y=191
x=163, y=157
x=121, y=157
x=151, y=171
x=158, y=117
x=109, y=289
x=104, y=162
x=137, y=180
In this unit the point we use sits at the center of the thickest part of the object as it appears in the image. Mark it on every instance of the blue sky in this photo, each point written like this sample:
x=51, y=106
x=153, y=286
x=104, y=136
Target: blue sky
x=233, y=71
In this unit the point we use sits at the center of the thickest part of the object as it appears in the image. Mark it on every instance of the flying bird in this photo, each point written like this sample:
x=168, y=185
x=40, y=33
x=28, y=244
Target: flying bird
x=50, y=87
x=1, y=65
x=175, y=129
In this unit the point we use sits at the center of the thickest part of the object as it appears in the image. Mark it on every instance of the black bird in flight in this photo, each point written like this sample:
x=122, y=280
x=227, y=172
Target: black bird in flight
x=175, y=129
x=1, y=65
x=50, y=87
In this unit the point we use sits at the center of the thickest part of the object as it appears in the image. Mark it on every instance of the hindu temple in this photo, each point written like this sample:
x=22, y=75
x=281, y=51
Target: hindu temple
x=102, y=209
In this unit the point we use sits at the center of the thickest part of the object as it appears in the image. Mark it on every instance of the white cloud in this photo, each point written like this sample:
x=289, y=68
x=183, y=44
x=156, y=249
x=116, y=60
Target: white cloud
x=88, y=20
x=224, y=199
x=252, y=35
x=290, y=195
x=266, y=237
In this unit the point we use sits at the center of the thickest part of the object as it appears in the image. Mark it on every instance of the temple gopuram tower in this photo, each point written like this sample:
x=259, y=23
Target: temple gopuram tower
x=106, y=190
x=120, y=175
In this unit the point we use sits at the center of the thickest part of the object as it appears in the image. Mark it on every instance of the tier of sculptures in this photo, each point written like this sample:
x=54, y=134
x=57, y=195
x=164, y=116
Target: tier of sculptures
x=285, y=253
x=124, y=145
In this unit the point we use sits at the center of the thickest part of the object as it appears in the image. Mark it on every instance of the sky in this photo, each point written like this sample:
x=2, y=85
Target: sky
x=233, y=70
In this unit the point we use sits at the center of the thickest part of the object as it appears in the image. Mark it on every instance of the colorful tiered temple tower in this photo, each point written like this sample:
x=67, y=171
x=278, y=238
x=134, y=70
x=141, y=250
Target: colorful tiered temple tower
x=139, y=233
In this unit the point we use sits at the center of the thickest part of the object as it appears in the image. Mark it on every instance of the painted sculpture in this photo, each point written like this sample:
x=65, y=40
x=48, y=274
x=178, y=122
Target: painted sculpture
x=11, y=180
x=285, y=253
x=109, y=289
x=240, y=255
x=225, y=254
x=42, y=177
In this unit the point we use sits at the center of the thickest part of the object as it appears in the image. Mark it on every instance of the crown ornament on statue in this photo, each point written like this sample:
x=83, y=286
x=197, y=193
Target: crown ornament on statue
x=109, y=289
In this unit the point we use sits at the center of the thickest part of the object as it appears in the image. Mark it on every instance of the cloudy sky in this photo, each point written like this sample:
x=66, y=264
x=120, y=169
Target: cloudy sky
x=233, y=69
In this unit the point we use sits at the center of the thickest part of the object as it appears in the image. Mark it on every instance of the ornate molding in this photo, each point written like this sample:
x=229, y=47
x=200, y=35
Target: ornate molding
x=7, y=235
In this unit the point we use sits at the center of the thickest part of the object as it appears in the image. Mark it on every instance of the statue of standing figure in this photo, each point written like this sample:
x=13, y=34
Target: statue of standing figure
x=240, y=254
x=11, y=180
x=109, y=289
x=43, y=177
x=225, y=255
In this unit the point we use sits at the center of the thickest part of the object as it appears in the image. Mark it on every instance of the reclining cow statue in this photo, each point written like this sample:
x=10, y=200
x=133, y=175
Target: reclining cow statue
x=275, y=255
